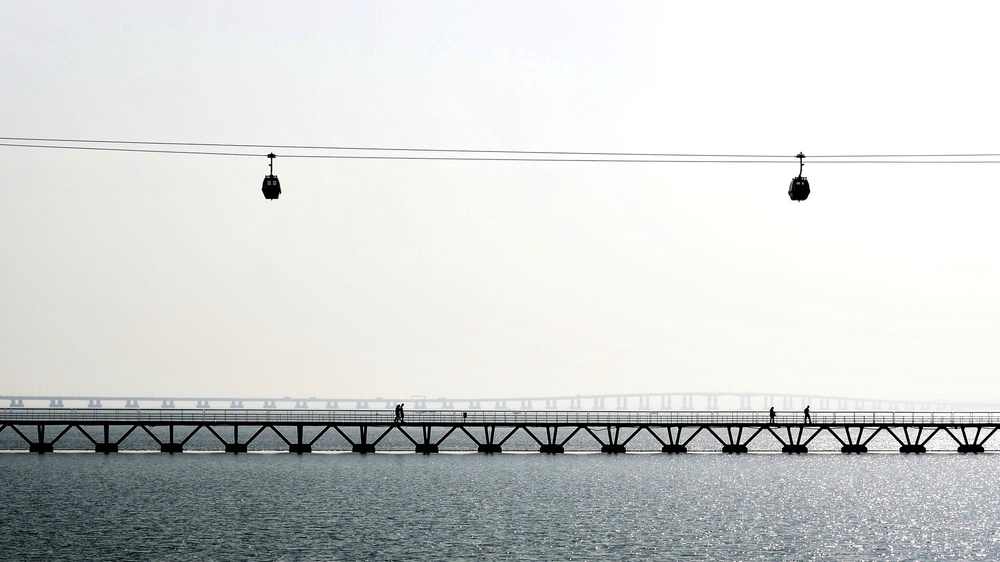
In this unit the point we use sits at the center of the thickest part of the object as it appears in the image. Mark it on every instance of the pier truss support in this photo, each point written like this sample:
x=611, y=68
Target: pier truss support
x=675, y=443
x=109, y=430
x=912, y=443
x=552, y=445
x=40, y=446
x=976, y=444
x=735, y=443
x=854, y=443
x=489, y=444
x=426, y=445
x=614, y=443
x=235, y=446
x=171, y=446
x=106, y=445
x=797, y=440
x=362, y=445
x=299, y=446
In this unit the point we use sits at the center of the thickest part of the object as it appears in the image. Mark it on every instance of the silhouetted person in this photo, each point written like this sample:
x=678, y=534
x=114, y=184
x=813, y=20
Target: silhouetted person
x=401, y=412
x=806, y=412
x=771, y=413
x=396, y=419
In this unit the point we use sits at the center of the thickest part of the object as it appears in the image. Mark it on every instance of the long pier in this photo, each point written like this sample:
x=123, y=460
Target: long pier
x=42, y=429
x=684, y=401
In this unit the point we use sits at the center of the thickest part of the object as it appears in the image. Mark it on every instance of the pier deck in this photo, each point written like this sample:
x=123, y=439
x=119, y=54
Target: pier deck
x=41, y=429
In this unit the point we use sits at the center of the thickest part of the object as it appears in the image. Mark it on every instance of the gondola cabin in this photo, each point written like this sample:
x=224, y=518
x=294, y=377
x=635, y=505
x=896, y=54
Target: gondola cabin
x=272, y=187
x=798, y=190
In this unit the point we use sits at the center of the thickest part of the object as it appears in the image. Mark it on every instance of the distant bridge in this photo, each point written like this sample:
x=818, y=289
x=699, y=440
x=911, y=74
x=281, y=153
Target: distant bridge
x=427, y=430
x=707, y=401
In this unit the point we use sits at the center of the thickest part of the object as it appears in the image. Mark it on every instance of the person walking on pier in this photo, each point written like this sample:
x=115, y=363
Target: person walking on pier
x=771, y=413
x=396, y=418
x=401, y=413
x=806, y=412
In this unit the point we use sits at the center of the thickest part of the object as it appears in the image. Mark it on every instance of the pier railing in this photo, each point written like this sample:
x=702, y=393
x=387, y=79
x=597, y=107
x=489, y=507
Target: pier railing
x=485, y=417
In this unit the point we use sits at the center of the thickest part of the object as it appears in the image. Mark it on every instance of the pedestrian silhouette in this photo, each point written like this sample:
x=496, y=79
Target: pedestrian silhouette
x=401, y=415
x=396, y=418
x=771, y=413
x=806, y=412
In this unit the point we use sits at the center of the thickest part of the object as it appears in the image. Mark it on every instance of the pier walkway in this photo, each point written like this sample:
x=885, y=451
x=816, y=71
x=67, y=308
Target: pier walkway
x=41, y=429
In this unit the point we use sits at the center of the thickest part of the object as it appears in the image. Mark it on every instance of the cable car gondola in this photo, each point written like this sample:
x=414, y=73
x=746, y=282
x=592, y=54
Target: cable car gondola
x=271, y=187
x=798, y=190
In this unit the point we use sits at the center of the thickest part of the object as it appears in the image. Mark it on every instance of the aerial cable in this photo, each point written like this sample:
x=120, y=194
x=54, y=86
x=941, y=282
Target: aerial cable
x=798, y=189
x=555, y=155
x=390, y=149
x=140, y=150
x=374, y=157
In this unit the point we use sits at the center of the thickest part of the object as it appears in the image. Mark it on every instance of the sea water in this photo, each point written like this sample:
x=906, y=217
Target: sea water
x=337, y=506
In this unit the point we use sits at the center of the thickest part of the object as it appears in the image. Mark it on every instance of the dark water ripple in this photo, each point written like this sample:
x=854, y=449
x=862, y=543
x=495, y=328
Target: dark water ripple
x=501, y=507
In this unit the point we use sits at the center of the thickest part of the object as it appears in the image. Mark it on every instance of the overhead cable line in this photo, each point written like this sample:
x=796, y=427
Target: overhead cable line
x=798, y=189
x=470, y=158
x=141, y=150
x=392, y=149
x=471, y=155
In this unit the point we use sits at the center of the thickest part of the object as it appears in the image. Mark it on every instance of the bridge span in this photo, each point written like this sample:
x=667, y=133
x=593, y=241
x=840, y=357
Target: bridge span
x=42, y=429
x=683, y=401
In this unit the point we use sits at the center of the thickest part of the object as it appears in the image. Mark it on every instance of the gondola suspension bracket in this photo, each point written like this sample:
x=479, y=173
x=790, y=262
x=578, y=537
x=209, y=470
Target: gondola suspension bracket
x=798, y=190
x=271, y=186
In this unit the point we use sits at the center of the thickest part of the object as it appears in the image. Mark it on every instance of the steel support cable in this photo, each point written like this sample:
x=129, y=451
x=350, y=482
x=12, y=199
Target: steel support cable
x=140, y=150
x=469, y=155
x=391, y=149
x=371, y=157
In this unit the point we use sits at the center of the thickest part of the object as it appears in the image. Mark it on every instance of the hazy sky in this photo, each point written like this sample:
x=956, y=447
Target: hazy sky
x=164, y=274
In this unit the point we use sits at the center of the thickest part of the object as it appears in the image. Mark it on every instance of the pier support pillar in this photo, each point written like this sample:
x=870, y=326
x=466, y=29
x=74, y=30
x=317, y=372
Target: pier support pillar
x=489, y=444
x=855, y=449
x=107, y=446
x=170, y=446
x=40, y=446
x=794, y=449
x=734, y=449
x=914, y=449
x=971, y=448
x=674, y=449
x=552, y=449
x=300, y=446
x=426, y=446
x=613, y=448
x=236, y=446
x=364, y=446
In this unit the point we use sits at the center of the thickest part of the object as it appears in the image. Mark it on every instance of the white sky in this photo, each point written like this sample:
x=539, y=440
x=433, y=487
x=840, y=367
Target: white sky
x=147, y=274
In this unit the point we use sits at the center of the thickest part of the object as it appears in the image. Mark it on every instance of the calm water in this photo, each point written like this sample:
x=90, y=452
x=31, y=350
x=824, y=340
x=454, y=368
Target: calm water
x=504, y=507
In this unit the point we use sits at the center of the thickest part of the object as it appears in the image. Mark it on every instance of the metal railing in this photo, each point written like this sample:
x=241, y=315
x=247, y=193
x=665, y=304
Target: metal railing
x=84, y=416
